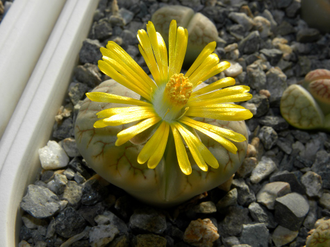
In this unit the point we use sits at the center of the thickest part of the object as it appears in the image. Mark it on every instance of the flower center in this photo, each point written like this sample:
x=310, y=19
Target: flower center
x=178, y=90
x=169, y=100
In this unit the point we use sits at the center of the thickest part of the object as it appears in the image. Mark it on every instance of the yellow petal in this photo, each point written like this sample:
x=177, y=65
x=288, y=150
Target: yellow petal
x=181, y=152
x=154, y=149
x=208, y=49
x=109, y=70
x=126, y=110
x=224, y=82
x=99, y=124
x=127, y=134
x=193, y=145
x=225, y=99
x=114, y=51
x=179, y=52
x=112, y=98
x=172, y=44
x=128, y=117
x=235, y=114
x=216, y=133
x=146, y=51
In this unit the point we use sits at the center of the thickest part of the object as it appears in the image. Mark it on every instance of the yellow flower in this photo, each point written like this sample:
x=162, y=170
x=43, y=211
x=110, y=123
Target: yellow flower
x=169, y=102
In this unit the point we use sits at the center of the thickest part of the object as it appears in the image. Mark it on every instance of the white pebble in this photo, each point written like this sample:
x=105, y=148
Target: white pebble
x=53, y=156
x=234, y=70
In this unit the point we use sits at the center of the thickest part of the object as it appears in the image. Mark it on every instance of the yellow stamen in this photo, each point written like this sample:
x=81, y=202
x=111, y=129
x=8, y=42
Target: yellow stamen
x=178, y=89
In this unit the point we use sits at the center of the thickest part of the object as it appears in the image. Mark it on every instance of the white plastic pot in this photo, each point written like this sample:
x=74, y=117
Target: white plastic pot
x=39, y=97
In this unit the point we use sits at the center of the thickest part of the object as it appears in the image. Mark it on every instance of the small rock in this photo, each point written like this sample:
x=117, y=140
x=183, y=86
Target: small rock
x=255, y=235
x=312, y=215
x=293, y=9
x=276, y=84
x=90, y=51
x=242, y=19
x=53, y=156
x=263, y=169
x=72, y=193
x=258, y=214
x=148, y=220
x=269, y=192
x=108, y=217
x=207, y=207
x=282, y=236
x=63, y=129
x=284, y=28
x=32, y=222
x=201, y=233
x=255, y=76
x=276, y=122
x=289, y=177
x=245, y=196
x=92, y=192
x=79, y=178
x=272, y=55
x=261, y=103
x=263, y=26
x=247, y=167
x=234, y=220
x=325, y=200
x=70, y=147
x=102, y=235
x=40, y=202
x=234, y=70
x=290, y=210
x=308, y=35
x=313, y=184
x=268, y=137
x=58, y=184
x=321, y=166
x=23, y=243
x=230, y=199
x=102, y=29
x=77, y=92
x=149, y=240
x=284, y=144
x=88, y=74
x=126, y=15
x=69, y=173
x=69, y=223
x=250, y=43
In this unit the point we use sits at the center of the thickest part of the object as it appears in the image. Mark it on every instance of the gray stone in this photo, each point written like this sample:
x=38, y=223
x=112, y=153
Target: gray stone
x=234, y=220
x=276, y=84
x=258, y=214
x=250, y=43
x=149, y=220
x=312, y=215
x=293, y=9
x=58, y=184
x=303, y=66
x=313, y=184
x=289, y=177
x=207, y=207
x=276, y=122
x=284, y=144
x=283, y=3
x=321, y=166
x=268, y=137
x=242, y=19
x=102, y=235
x=308, y=35
x=88, y=74
x=261, y=103
x=69, y=223
x=272, y=55
x=149, y=240
x=129, y=38
x=269, y=192
x=284, y=28
x=109, y=217
x=63, y=130
x=230, y=241
x=90, y=51
x=245, y=196
x=255, y=235
x=77, y=92
x=247, y=167
x=325, y=200
x=40, y=202
x=230, y=199
x=282, y=236
x=92, y=192
x=255, y=76
x=263, y=26
x=263, y=169
x=290, y=210
x=72, y=193
x=70, y=147
x=301, y=135
x=126, y=15
x=102, y=29
x=79, y=178
x=32, y=222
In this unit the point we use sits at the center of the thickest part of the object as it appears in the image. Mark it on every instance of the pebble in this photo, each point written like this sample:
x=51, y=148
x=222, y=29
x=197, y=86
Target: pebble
x=321, y=166
x=234, y=70
x=250, y=43
x=40, y=202
x=291, y=179
x=230, y=199
x=275, y=84
x=72, y=193
x=207, y=207
x=245, y=196
x=201, y=232
x=268, y=137
x=313, y=184
x=242, y=19
x=269, y=192
x=102, y=235
x=235, y=218
x=70, y=147
x=77, y=91
x=255, y=235
x=276, y=122
x=261, y=103
x=255, y=76
x=88, y=74
x=290, y=210
x=90, y=51
x=282, y=236
x=148, y=220
x=263, y=169
x=53, y=156
x=247, y=167
x=101, y=29
x=149, y=240
x=263, y=26
x=325, y=200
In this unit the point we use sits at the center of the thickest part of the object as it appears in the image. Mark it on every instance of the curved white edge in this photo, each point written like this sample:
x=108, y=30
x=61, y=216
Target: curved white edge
x=23, y=35
x=32, y=121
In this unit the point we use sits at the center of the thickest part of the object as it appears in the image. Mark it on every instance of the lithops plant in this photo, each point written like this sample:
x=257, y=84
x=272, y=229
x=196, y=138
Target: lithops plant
x=307, y=106
x=167, y=138
x=200, y=28
x=320, y=236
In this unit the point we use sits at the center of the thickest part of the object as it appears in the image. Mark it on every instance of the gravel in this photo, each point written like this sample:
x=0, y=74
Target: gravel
x=276, y=196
